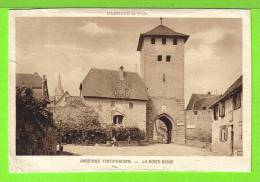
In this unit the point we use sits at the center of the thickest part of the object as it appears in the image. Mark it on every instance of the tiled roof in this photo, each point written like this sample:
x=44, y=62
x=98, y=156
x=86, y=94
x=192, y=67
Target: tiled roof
x=106, y=84
x=66, y=94
x=75, y=101
x=198, y=101
x=28, y=80
x=237, y=85
x=160, y=31
x=204, y=102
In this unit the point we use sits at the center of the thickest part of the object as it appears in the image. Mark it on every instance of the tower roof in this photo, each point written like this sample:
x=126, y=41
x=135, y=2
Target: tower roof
x=160, y=31
x=59, y=90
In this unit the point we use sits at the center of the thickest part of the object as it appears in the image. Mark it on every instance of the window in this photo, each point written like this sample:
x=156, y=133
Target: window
x=159, y=58
x=222, y=109
x=164, y=108
x=237, y=101
x=195, y=112
x=131, y=105
x=204, y=108
x=168, y=58
x=164, y=77
x=118, y=119
x=164, y=40
x=223, y=136
x=215, y=112
x=113, y=103
x=174, y=41
x=152, y=40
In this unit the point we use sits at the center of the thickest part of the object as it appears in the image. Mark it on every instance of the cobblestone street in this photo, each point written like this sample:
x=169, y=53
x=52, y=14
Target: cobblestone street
x=150, y=150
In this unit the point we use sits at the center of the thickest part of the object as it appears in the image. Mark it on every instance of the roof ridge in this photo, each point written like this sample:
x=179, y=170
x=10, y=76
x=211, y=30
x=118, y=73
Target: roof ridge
x=104, y=69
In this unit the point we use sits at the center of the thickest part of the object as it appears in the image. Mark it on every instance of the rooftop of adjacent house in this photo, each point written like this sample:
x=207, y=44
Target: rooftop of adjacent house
x=237, y=85
x=28, y=80
x=102, y=83
x=66, y=94
x=76, y=101
x=201, y=101
x=159, y=31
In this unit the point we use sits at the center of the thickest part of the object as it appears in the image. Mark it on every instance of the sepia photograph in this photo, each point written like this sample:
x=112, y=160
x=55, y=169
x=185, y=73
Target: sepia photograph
x=144, y=87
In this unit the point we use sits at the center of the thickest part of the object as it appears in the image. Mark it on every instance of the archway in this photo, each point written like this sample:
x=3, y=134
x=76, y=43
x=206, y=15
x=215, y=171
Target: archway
x=163, y=127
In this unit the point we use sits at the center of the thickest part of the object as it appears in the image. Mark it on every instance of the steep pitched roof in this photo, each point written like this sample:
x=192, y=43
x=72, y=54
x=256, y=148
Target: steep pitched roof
x=237, y=85
x=66, y=94
x=106, y=84
x=160, y=31
x=163, y=30
x=198, y=101
x=28, y=80
x=75, y=101
x=59, y=90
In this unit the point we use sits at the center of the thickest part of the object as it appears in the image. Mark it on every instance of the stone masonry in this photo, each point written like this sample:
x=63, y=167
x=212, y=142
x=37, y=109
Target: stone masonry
x=164, y=81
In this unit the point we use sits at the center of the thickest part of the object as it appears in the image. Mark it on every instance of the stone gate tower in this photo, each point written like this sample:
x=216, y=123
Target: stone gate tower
x=162, y=70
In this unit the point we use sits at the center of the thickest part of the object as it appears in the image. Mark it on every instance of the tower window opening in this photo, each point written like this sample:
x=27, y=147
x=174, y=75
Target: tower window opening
x=164, y=77
x=131, y=105
x=164, y=40
x=174, y=41
x=152, y=40
x=159, y=58
x=168, y=58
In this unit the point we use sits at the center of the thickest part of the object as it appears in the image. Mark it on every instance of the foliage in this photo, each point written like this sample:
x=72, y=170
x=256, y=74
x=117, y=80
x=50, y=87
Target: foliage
x=34, y=124
x=123, y=133
x=79, y=125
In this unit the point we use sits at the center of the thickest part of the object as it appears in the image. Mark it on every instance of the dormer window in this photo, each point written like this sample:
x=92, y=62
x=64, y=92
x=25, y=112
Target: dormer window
x=164, y=40
x=152, y=40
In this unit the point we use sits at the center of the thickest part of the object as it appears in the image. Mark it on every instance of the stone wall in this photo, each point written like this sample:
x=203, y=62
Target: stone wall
x=133, y=117
x=165, y=83
x=198, y=126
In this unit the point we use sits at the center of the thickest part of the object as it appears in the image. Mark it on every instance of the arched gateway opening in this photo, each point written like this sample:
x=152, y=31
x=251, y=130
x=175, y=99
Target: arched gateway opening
x=163, y=129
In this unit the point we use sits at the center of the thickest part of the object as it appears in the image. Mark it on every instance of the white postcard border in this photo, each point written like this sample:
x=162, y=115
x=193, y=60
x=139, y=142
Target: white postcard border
x=18, y=164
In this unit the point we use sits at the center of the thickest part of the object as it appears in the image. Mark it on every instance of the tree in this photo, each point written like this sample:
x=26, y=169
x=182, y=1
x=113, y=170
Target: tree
x=33, y=124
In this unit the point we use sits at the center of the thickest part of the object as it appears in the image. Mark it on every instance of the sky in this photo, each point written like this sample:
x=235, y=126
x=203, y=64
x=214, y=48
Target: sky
x=72, y=46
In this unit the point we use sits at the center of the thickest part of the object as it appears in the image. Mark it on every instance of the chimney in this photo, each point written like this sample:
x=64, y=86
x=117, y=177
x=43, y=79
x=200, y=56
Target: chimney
x=121, y=73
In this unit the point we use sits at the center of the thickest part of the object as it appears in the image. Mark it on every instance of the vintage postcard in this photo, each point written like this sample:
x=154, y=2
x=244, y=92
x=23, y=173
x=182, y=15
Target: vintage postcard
x=129, y=90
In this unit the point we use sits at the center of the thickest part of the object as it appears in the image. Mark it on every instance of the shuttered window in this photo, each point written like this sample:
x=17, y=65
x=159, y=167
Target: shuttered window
x=222, y=109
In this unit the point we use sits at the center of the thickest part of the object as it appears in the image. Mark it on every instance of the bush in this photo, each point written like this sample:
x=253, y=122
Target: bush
x=82, y=137
x=79, y=125
x=136, y=134
x=123, y=134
